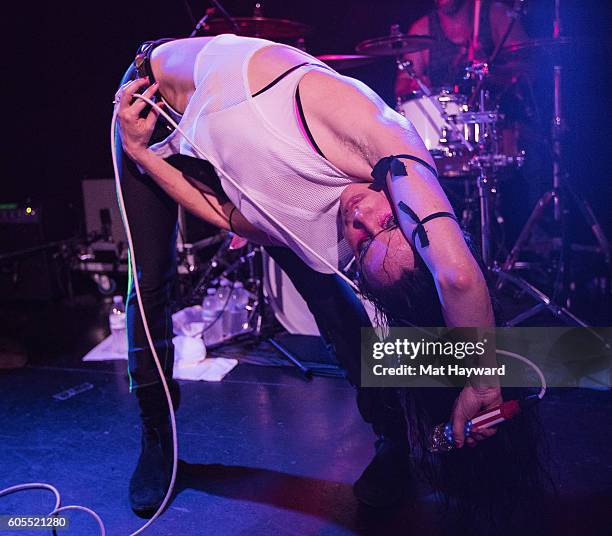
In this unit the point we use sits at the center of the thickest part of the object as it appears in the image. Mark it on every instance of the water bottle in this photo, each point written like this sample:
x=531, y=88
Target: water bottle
x=238, y=313
x=223, y=304
x=117, y=323
x=213, y=326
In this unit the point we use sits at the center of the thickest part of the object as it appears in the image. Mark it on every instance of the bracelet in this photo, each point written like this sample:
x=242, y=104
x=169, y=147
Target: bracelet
x=231, y=226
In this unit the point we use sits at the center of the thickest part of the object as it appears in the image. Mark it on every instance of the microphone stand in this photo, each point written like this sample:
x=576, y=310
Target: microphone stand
x=209, y=12
x=227, y=16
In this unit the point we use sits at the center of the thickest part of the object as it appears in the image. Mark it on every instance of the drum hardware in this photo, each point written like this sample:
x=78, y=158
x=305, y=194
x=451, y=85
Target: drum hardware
x=497, y=160
x=256, y=26
x=202, y=22
x=396, y=44
x=474, y=132
x=462, y=140
x=515, y=13
x=344, y=62
x=543, y=303
x=247, y=267
x=407, y=67
x=556, y=198
x=478, y=117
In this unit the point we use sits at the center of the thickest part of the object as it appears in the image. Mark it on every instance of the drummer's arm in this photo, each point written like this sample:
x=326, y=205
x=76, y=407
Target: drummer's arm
x=404, y=85
x=500, y=17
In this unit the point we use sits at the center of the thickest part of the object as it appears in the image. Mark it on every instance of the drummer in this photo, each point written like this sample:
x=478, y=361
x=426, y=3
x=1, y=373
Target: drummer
x=463, y=30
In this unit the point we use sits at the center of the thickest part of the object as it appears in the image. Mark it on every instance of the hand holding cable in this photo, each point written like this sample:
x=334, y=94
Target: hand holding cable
x=136, y=130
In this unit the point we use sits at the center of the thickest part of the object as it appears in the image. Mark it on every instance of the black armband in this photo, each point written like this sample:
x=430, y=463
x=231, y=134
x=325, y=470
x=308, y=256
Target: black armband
x=231, y=225
x=397, y=168
x=419, y=230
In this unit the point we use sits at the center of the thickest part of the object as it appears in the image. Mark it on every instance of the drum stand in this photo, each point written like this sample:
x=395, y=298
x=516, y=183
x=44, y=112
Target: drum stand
x=486, y=163
x=252, y=258
x=485, y=182
x=557, y=198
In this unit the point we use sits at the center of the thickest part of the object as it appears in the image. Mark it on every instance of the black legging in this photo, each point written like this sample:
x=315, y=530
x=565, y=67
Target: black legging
x=152, y=217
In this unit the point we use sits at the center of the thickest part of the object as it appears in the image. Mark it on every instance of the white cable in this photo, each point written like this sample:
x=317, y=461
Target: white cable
x=58, y=508
x=83, y=509
x=34, y=485
x=145, y=325
x=37, y=485
x=532, y=365
x=155, y=358
x=144, y=318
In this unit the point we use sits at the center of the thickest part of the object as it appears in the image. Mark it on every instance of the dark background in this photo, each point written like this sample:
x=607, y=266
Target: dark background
x=68, y=57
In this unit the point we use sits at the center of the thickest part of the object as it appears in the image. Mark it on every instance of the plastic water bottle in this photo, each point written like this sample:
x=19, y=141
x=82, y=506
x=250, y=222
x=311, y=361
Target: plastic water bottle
x=117, y=324
x=223, y=304
x=213, y=326
x=223, y=292
x=238, y=313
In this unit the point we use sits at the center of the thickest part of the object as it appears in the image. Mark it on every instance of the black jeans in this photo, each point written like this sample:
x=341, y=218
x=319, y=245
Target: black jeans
x=152, y=218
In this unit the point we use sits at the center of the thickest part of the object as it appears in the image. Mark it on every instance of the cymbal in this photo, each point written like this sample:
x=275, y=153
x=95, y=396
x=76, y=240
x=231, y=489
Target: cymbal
x=259, y=27
x=342, y=62
x=395, y=45
x=535, y=46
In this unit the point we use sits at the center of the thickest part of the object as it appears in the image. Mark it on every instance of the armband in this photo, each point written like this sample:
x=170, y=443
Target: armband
x=231, y=225
x=419, y=230
x=397, y=168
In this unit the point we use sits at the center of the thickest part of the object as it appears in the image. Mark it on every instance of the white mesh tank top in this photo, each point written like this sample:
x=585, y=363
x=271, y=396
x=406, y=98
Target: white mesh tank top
x=257, y=142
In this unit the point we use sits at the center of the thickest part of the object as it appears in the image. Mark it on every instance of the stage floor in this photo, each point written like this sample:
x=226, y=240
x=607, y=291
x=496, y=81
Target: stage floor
x=263, y=452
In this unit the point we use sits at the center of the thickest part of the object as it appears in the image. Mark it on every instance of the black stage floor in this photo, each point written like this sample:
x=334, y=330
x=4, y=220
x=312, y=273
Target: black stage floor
x=263, y=452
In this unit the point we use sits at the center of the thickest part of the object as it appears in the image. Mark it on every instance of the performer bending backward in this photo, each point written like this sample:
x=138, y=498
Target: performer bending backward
x=303, y=142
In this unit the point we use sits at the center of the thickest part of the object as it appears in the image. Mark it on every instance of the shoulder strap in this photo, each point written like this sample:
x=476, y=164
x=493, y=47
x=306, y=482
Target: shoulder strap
x=286, y=73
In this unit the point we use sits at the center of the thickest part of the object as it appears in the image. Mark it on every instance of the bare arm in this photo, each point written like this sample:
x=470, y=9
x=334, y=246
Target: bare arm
x=367, y=130
x=201, y=201
x=353, y=116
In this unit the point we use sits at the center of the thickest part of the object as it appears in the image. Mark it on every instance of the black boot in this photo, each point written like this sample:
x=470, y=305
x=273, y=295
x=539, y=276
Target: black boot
x=385, y=482
x=151, y=478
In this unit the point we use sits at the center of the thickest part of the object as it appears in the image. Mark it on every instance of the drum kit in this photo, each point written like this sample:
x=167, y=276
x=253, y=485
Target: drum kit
x=464, y=131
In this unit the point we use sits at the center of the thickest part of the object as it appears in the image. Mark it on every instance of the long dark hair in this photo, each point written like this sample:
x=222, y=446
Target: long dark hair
x=412, y=300
x=497, y=487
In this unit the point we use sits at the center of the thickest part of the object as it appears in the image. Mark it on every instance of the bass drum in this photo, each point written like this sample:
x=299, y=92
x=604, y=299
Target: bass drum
x=289, y=307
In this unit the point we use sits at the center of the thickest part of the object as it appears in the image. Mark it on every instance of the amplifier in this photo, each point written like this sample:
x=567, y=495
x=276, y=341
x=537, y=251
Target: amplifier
x=102, y=215
x=26, y=228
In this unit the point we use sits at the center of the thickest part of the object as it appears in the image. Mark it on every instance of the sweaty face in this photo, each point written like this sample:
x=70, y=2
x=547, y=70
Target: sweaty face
x=382, y=252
